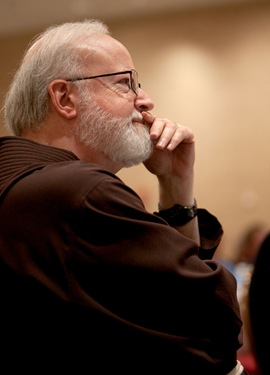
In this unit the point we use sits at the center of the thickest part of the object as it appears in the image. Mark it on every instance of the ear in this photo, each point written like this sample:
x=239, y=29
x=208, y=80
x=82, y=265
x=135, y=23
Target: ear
x=63, y=98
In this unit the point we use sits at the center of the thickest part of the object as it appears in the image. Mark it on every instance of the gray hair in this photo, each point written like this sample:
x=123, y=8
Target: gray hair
x=52, y=54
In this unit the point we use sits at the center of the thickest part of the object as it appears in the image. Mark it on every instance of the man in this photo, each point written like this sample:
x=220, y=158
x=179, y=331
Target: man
x=90, y=279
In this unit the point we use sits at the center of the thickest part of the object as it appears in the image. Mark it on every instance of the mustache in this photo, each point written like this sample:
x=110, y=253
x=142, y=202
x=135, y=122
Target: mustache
x=137, y=116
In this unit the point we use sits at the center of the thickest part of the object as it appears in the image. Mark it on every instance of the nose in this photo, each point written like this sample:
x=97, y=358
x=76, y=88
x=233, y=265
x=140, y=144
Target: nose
x=143, y=102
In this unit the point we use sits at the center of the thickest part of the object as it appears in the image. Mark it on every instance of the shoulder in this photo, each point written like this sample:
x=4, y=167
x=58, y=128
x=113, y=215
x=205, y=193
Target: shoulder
x=83, y=182
x=72, y=175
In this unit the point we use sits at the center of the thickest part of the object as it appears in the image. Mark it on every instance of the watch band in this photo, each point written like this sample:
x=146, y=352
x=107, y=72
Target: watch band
x=178, y=215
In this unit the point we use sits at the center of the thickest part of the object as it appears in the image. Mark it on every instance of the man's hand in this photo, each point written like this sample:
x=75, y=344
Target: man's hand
x=172, y=162
x=174, y=153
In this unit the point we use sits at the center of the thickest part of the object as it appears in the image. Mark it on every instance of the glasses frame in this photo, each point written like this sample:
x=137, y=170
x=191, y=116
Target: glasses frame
x=132, y=71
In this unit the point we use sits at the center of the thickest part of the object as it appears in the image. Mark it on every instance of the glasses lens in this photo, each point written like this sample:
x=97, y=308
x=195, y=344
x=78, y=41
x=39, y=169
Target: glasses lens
x=134, y=81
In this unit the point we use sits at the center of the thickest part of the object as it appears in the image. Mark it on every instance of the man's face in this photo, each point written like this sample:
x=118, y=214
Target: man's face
x=110, y=119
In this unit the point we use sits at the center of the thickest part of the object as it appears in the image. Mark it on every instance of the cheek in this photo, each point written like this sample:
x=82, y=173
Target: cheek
x=117, y=107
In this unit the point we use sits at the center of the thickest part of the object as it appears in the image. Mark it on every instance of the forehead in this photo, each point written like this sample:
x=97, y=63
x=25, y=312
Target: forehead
x=105, y=52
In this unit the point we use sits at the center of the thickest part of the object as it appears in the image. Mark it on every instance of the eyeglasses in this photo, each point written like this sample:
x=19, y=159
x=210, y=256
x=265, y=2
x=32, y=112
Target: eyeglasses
x=132, y=82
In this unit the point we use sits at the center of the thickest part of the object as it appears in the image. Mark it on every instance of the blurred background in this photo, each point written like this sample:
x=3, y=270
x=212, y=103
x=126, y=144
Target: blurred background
x=206, y=64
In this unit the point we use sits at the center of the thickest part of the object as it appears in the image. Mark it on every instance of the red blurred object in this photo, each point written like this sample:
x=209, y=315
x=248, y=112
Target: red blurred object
x=249, y=363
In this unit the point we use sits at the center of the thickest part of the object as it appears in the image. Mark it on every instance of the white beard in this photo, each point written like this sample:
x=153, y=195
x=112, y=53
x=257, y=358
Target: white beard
x=118, y=138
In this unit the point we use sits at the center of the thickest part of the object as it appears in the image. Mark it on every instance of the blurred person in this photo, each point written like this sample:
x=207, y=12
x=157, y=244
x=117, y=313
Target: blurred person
x=243, y=265
x=247, y=252
x=259, y=306
x=90, y=280
x=245, y=255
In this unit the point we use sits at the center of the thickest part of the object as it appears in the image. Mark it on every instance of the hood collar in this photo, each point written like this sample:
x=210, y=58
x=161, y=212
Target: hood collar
x=20, y=156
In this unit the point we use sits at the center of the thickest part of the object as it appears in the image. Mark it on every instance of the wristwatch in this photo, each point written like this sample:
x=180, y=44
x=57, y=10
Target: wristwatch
x=178, y=215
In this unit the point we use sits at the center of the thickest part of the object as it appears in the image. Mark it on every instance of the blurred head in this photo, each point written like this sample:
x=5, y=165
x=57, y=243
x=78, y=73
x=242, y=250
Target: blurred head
x=250, y=242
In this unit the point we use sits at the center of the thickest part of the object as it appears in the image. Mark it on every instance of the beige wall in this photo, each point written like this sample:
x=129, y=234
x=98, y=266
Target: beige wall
x=210, y=70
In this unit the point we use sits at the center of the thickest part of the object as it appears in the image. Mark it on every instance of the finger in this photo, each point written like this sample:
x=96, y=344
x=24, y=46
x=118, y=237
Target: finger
x=182, y=134
x=148, y=117
x=163, y=131
x=172, y=134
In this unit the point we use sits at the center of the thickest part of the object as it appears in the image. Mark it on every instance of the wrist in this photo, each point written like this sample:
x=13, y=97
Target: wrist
x=175, y=190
